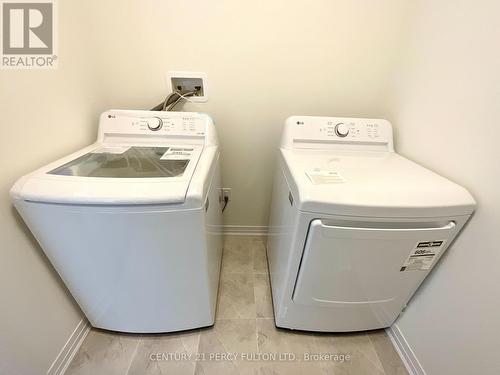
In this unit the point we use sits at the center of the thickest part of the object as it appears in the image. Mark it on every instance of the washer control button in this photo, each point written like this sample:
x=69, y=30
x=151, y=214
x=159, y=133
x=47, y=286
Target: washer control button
x=155, y=123
x=341, y=130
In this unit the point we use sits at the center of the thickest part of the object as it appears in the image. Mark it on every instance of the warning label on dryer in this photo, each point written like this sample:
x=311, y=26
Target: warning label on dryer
x=422, y=256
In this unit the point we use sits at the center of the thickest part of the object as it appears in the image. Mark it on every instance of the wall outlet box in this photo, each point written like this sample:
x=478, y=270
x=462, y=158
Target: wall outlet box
x=189, y=81
x=226, y=193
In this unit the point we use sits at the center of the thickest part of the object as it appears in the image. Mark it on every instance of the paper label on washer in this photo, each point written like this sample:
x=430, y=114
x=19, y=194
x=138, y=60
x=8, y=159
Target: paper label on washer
x=422, y=256
x=319, y=176
x=111, y=150
x=177, y=153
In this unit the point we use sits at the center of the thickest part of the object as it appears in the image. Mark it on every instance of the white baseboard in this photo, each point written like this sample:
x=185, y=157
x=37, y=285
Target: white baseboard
x=69, y=349
x=245, y=230
x=404, y=350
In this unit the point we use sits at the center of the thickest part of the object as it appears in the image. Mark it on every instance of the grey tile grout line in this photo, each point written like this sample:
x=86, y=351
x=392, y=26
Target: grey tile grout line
x=252, y=273
x=380, y=359
x=376, y=353
x=133, y=355
x=381, y=367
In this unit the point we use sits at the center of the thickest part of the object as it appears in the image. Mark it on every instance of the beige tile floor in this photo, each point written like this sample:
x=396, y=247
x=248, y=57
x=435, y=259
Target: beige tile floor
x=245, y=326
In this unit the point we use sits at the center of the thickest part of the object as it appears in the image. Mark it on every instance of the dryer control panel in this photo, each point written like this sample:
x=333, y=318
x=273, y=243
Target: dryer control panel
x=155, y=125
x=337, y=132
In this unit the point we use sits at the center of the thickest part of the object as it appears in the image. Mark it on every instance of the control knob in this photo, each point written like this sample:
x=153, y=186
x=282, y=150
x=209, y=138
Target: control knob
x=341, y=130
x=154, y=123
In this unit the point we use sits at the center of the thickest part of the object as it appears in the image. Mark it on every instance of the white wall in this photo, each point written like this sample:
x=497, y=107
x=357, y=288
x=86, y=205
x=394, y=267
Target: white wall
x=44, y=115
x=446, y=107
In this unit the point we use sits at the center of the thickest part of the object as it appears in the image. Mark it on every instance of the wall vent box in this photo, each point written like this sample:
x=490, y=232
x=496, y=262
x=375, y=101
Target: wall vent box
x=189, y=81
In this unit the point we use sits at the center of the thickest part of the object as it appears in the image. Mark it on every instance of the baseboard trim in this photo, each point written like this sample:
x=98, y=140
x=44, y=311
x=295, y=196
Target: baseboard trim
x=404, y=350
x=245, y=230
x=69, y=349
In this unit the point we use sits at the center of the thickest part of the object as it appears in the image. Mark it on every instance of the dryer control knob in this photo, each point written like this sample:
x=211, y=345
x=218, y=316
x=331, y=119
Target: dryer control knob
x=341, y=130
x=155, y=123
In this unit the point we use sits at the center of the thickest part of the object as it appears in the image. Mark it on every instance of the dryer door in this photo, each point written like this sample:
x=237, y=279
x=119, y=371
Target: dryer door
x=374, y=264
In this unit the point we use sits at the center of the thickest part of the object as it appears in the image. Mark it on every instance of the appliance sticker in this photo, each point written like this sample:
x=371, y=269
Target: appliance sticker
x=111, y=150
x=319, y=176
x=422, y=256
x=177, y=153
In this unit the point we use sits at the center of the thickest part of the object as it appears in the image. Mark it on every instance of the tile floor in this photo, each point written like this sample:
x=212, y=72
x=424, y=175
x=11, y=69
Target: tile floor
x=244, y=325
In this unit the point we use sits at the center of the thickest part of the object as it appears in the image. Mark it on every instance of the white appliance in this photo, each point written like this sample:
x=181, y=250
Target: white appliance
x=355, y=228
x=132, y=222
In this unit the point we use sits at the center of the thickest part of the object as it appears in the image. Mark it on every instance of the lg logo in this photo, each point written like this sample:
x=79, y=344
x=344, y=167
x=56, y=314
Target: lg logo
x=28, y=34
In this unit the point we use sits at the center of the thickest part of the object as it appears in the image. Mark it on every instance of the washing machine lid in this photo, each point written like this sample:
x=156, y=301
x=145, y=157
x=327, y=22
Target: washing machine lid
x=128, y=162
x=114, y=174
x=370, y=183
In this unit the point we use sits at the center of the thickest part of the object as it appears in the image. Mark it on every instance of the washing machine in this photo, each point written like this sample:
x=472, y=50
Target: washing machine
x=132, y=223
x=355, y=228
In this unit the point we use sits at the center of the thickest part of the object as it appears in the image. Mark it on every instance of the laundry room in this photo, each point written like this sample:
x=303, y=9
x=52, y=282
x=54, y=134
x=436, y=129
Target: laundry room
x=264, y=187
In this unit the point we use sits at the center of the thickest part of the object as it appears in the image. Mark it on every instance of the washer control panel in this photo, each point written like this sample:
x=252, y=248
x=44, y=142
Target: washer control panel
x=174, y=124
x=308, y=131
x=184, y=125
